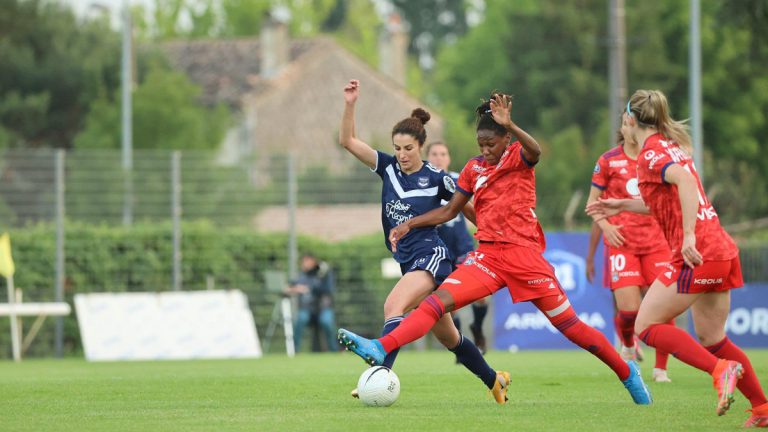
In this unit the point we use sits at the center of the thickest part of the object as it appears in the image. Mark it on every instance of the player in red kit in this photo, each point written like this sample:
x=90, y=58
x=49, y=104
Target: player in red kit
x=502, y=182
x=705, y=261
x=635, y=247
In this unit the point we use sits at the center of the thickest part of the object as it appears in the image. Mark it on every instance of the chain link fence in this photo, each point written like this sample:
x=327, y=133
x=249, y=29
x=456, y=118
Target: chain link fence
x=189, y=209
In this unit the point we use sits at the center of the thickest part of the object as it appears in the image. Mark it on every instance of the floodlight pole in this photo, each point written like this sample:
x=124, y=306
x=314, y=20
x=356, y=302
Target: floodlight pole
x=617, y=66
x=694, y=89
x=127, y=118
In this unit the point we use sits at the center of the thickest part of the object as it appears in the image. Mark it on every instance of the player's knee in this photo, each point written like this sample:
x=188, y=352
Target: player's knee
x=446, y=299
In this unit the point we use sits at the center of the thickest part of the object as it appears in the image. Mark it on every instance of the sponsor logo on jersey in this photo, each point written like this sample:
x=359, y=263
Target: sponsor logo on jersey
x=649, y=155
x=478, y=168
x=450, y=186
x=618, y=163
x=706, y=281
x=655, y=159
x=423, y=182
x=623, y=171
x=706, y=213
x=396, y=210
x=632, y=187
x=480, y=182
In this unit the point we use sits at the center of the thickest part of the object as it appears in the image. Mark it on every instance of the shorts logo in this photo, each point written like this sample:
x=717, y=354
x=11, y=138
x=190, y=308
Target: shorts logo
x=551, y=285
x=421, y=261
x=423, y=182
x=615, y=276
x=540, y=281
x=708, y=281
x=668, y=274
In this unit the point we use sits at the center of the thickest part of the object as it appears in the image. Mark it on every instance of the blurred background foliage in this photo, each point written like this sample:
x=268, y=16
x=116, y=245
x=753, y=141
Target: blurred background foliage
x=59, y=75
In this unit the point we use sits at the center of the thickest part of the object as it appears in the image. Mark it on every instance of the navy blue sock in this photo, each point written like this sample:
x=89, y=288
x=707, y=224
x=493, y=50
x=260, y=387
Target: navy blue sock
x=390, y=325
x=479, y=311
x=468, y=355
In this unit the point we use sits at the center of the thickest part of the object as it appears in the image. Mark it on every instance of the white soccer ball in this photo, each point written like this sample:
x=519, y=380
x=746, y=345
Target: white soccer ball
x=378, y=386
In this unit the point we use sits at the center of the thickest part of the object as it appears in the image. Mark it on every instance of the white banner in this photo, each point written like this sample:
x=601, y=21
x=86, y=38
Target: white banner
x=167, y=325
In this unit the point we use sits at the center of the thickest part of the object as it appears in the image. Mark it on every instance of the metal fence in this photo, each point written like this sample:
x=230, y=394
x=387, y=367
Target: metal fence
x=60, y=192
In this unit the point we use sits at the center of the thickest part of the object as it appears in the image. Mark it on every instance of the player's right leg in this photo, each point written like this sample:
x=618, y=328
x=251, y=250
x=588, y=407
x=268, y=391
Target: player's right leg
x=465, y=285
x=627, y=303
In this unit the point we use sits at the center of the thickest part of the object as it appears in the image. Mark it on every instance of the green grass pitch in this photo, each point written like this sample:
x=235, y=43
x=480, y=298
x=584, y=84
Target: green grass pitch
x=550, y=390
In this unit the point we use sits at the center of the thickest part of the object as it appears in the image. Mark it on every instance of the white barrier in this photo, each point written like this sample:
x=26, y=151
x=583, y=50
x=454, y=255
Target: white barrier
x=167, y=325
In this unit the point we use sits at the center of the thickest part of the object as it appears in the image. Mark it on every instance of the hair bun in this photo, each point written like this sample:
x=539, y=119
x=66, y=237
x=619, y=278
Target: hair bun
x=484, y=108
x=422, y=115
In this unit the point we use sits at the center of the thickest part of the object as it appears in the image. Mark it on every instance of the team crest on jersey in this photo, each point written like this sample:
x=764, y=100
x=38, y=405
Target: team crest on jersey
x=450, y=186
x=423, y=182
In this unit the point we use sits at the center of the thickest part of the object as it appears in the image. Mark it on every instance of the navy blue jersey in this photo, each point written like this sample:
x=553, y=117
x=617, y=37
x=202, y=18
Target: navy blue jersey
x=404, y=196
x=454, y=233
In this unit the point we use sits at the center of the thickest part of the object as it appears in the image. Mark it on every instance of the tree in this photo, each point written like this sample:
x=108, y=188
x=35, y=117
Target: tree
x=166, y=114
x=51, y=70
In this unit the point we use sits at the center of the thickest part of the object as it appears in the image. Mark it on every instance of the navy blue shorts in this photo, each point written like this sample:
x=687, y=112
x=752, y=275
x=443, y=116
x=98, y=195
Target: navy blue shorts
x=438, y=263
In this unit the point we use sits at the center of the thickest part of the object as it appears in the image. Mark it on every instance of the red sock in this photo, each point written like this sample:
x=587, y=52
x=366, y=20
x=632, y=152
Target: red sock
x=415, y=325
x=749, y=385
x=569, y=324
x=680, y=344
x=625, y=326
x=661, y=355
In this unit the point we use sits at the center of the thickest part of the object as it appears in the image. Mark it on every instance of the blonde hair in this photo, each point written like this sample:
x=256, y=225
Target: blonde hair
x=650, y=109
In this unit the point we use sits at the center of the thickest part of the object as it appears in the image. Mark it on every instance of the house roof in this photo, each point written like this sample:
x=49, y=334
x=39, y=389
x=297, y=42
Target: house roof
x=225, y=69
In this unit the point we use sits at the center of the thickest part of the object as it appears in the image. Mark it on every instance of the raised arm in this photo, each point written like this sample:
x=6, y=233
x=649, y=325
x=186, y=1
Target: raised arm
x=501, y=109
x=431, y=218
x=347, y=139
x=688, y=191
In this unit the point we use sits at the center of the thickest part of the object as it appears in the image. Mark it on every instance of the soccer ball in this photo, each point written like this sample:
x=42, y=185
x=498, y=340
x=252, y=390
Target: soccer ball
x=378, y=386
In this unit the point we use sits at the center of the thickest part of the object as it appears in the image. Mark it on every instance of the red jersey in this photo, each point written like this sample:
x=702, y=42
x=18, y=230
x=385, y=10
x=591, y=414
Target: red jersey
x=505, y=198
x=712, y=241
x=616, y=175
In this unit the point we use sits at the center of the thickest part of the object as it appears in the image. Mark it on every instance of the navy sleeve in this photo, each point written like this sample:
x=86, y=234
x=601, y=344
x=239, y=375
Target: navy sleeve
x=382, y=161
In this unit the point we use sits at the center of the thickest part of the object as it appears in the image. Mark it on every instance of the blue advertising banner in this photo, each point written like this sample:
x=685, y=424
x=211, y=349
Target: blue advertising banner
x=747, y=324
x=521, y=326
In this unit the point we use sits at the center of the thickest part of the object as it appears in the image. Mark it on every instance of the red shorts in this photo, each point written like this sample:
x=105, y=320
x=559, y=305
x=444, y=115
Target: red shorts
x=495, y=265
x=711, y=276
x=627, y=269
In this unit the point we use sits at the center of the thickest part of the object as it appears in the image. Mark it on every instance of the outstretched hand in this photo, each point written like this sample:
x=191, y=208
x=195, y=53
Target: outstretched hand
x=351, y=91
x=396, y=233
x=501, y=109
x=603, y=208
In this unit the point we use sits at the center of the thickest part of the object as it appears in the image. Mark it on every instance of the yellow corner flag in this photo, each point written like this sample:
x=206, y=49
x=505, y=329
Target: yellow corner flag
x=6, y=260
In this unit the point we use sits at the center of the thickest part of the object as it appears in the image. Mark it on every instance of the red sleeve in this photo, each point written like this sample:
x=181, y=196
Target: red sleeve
x=652, y=164
x=600, y=174
x=466, y=178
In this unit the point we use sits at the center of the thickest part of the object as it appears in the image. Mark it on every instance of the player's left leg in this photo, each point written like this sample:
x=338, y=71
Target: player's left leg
x=709, y=316
x=560, y=313
x=469, y=355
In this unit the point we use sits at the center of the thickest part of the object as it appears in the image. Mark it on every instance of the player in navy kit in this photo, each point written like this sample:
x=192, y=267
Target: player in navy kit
x=411, y=187
x=456, y=236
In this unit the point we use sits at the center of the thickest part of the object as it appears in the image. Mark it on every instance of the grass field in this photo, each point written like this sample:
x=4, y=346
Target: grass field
x=551, y=390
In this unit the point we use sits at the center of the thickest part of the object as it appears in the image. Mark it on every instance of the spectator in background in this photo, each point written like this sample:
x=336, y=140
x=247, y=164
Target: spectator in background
x=314, y=289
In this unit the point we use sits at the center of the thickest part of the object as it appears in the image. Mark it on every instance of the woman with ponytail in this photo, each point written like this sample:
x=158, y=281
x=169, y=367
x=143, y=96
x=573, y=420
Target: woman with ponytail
x=705, y=259
x=503, y=184
x=410, y=187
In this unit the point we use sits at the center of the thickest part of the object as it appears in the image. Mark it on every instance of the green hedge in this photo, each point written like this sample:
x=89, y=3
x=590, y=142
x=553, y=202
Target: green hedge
x=118, y=259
